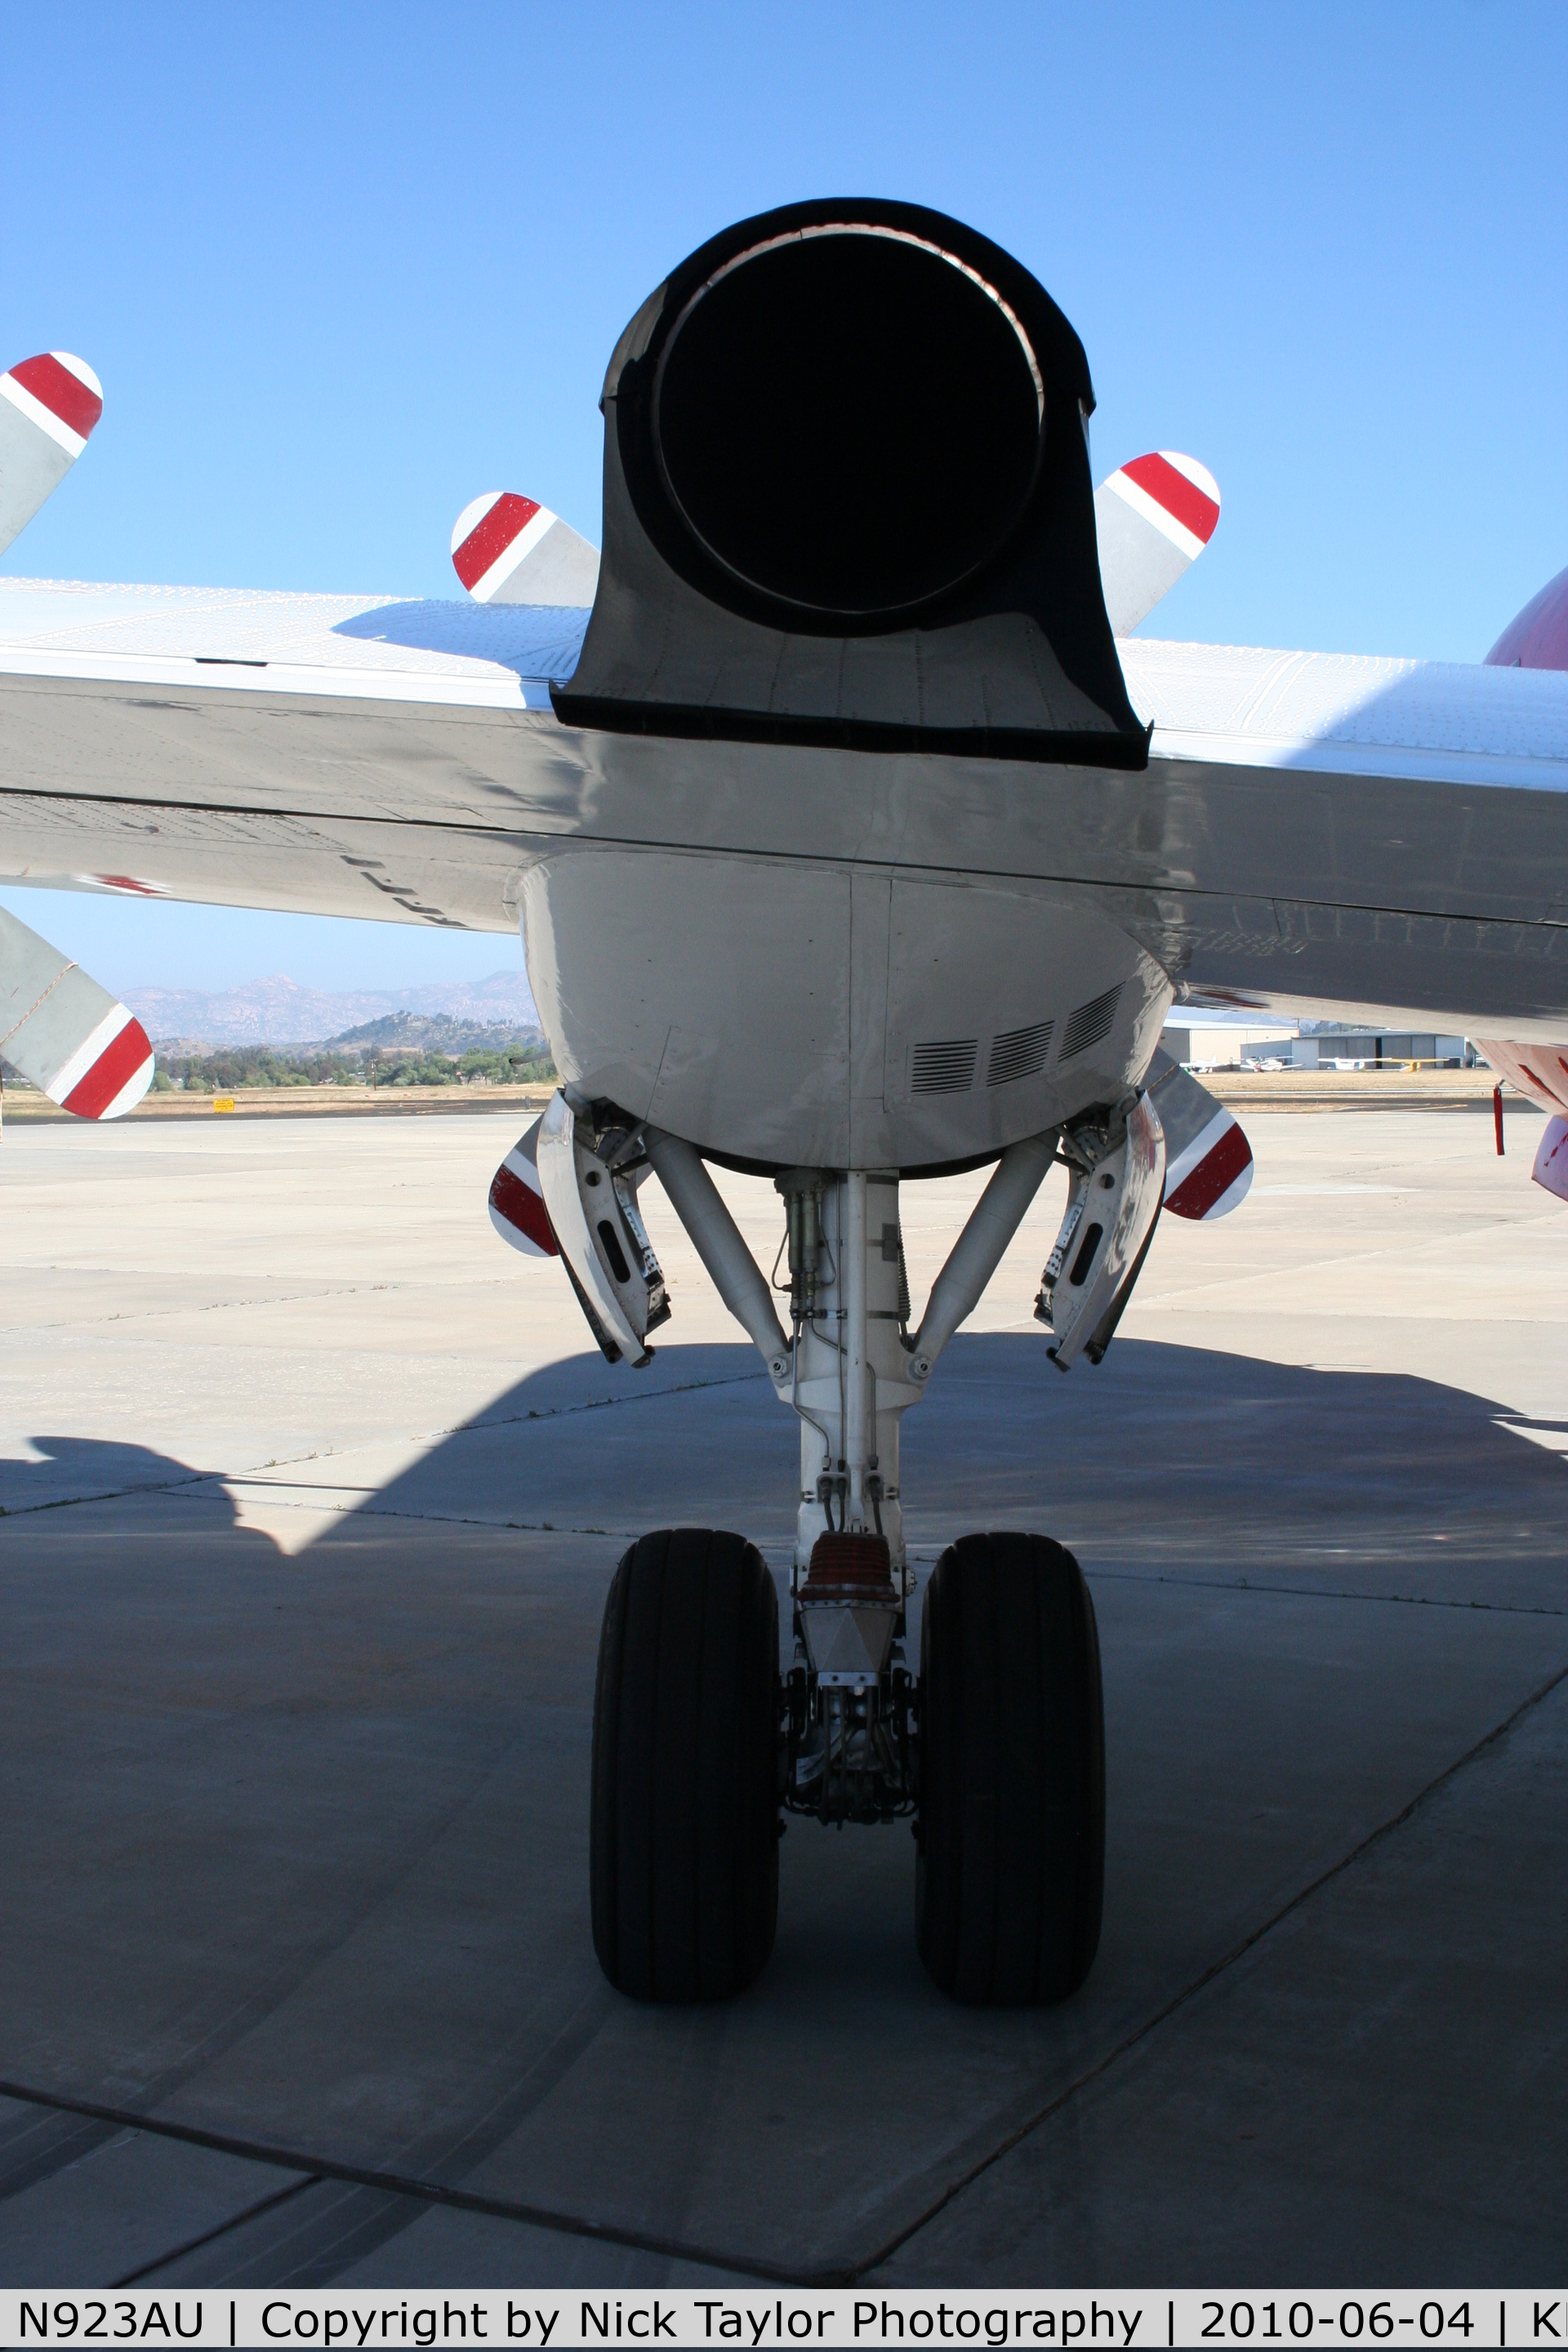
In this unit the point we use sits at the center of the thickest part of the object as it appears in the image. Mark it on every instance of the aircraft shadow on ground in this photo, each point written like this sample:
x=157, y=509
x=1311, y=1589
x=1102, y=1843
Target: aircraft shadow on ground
x=1167, y=1456
x=338, y=1802
x=66, y=1470
x=1163, y=1452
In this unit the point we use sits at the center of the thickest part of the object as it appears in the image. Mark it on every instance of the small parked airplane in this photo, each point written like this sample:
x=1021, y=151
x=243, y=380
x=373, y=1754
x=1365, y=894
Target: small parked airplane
x=851, y=846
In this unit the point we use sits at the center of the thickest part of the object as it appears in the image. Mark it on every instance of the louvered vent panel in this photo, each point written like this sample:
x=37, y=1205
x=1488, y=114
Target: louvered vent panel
x=1090, y=1024
x=946, y=1068
x=1019, y=1054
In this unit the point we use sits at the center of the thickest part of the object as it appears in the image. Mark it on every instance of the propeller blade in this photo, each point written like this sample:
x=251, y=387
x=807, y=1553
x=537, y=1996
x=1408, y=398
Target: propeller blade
x=517, y=1199
x=48, y=406
x=1209, y=1160
x=1153, y=517
x=65, y=1034
x=508, y=549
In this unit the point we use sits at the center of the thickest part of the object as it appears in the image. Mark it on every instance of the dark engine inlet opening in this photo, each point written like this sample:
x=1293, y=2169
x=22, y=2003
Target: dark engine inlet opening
x=848, y=422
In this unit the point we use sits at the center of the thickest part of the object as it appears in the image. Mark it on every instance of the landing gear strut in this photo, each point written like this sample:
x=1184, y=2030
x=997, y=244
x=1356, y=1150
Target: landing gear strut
x=996, y=1750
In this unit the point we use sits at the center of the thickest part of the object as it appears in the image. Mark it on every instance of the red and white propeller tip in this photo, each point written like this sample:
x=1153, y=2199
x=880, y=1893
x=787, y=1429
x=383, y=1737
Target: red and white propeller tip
x=65, y=1034
x=1152, y=517
x=508, y=550
x=491, y=537
x=123, y=886
x=48, y=406
x=1212, y=1175
x=110, y=1071
x=516, y=1201
x=1175, y=493
x=59, y=393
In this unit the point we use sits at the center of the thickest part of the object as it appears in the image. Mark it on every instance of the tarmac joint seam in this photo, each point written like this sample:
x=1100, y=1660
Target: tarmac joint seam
x=220, y=2229
x=1316, y=1593
x=1217, y=1968
x=397, y=2184
x=434, y=2192
x=210, y=1479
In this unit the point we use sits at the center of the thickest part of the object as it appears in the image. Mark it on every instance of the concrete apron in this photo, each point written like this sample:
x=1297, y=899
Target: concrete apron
x=295, y=1858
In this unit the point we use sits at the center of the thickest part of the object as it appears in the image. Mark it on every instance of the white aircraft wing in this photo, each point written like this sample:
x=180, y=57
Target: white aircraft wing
x=1310, y=828
x=1369, y=834
x=345, y=755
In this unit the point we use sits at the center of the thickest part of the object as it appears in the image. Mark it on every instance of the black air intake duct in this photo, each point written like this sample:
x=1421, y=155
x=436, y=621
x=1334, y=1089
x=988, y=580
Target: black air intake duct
x=847, y=502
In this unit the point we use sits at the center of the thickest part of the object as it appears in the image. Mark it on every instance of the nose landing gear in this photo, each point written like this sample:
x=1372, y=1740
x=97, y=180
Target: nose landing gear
x=997, y=1749
x=851, y=1752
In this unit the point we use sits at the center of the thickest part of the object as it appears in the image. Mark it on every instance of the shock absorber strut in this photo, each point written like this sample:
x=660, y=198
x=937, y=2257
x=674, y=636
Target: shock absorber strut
x=802, y=1190
x=849, y=1369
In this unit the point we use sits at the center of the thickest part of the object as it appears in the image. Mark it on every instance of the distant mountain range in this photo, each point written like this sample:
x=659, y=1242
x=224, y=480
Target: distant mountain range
x=432, y=1032
x=280, y=1011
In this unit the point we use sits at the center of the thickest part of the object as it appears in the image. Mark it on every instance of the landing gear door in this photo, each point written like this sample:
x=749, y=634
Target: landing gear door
x=1112, y=1203
x=592, y=1212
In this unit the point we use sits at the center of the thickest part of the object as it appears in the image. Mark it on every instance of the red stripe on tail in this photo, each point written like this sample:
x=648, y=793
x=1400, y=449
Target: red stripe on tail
x=114, y=1068
x=64, y=395
x=1171, y=490
x=492, y=535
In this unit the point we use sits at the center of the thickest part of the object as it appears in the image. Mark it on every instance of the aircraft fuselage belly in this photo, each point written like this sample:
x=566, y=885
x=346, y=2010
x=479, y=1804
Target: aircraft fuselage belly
x=832, y=1014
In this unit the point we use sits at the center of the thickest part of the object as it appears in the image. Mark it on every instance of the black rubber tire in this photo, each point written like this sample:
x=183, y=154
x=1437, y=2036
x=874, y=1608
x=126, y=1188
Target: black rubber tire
x=684, y=1834
x=1011, y=1828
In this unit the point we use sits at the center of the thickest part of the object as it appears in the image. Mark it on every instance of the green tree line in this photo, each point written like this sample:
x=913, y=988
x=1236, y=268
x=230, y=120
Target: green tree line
x=238, y=1067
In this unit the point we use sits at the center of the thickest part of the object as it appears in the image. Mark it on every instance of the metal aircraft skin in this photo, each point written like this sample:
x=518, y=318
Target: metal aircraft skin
x=852, y=838
x=1314, y=832
x=1318, y=832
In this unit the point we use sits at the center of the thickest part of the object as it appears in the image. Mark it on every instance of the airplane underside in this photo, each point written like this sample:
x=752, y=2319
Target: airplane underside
x=836, y=1016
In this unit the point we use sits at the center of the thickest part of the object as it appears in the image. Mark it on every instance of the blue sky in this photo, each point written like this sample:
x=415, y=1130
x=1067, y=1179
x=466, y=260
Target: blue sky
x=340, y=268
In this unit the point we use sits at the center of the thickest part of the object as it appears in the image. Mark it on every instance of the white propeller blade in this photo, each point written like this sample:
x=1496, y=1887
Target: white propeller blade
x=64, y=1033
x=1209, y=1160
x=48, y=406
x=508, y=549
x=517, y=1199
x=1153, y=518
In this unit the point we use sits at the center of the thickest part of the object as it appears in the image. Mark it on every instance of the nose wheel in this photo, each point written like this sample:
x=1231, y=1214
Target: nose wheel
x=1011, y=1829
x=694, y=1746
x=684, y=1825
